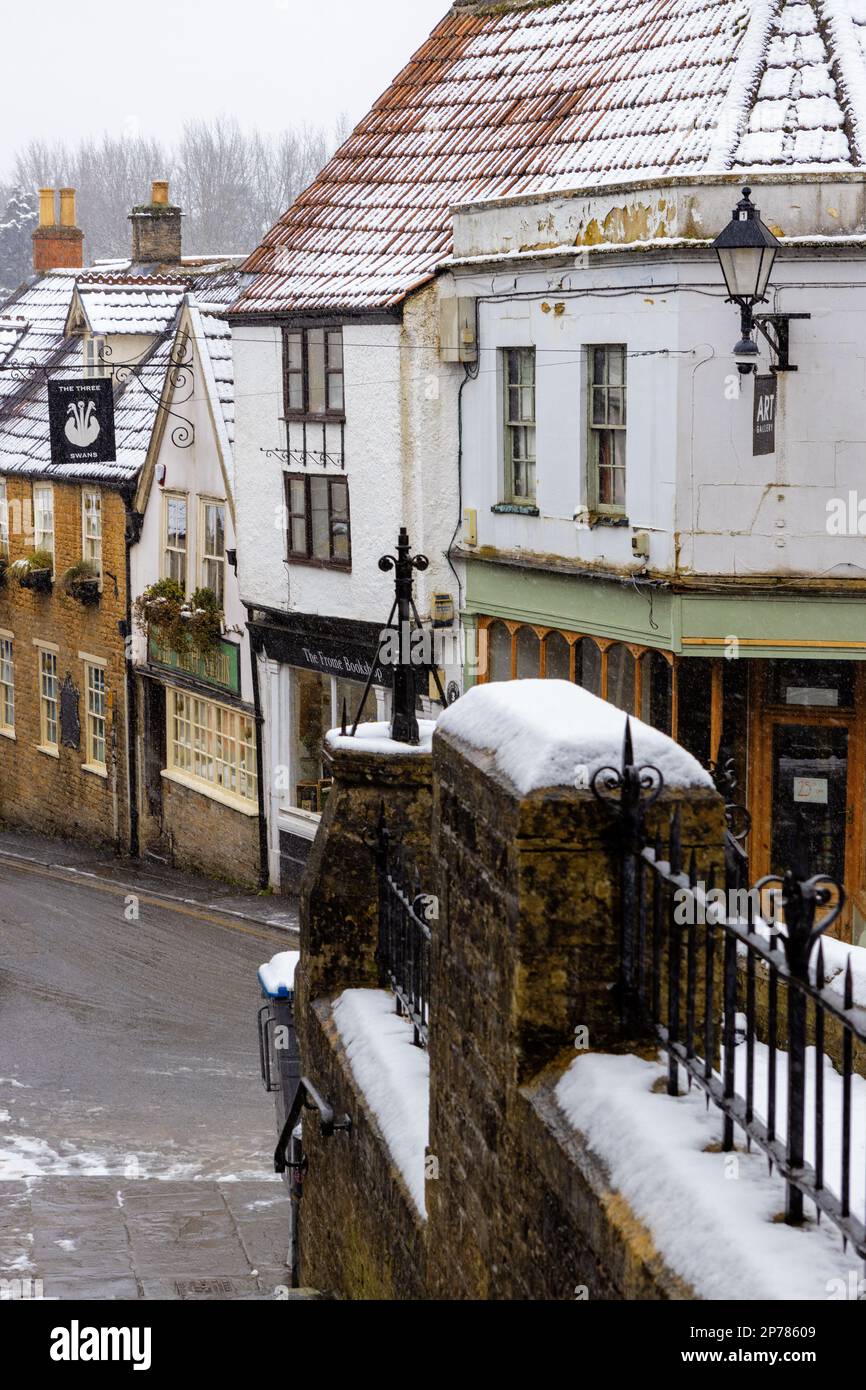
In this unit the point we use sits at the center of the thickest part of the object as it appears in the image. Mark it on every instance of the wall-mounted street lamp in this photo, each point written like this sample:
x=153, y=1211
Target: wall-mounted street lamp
x=747, y=251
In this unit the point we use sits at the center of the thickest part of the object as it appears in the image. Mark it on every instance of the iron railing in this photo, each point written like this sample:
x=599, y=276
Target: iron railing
x=404, y=933
x=693, y=959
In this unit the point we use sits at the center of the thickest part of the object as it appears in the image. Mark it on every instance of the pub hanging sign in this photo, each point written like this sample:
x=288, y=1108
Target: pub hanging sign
x=764, y=427
x=81, y=417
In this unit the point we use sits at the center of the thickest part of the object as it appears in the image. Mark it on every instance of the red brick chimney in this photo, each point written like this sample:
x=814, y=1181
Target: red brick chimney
x=57, y=245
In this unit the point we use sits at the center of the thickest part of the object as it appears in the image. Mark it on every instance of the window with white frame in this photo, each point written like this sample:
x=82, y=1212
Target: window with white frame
x=43, y=518
x=7, y=686
x=212, y=547
x=519, y=384
x=607, y=428
x=94, y=354
x=96, y=714
x=212, y=745
x=175, y=537
x=91, y=527
x=4, y=521
x=49, y=699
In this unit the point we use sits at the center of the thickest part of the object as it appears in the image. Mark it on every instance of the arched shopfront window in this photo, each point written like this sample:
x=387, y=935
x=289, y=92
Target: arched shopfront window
x=528, y=654
x=588, y=666
x=498, y=652
x=621, y=678
x=558, y=657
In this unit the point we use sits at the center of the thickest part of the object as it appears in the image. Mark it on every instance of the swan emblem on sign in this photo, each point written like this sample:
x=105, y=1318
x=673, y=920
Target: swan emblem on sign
x=82, y=426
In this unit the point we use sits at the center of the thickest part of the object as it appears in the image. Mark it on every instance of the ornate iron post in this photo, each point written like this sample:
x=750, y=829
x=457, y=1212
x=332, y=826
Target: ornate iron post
x=404, y=721
x=638, y=788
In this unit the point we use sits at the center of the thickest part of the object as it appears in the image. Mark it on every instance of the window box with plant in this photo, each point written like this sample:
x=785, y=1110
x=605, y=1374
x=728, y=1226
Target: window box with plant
x=164, y=613
x=81, y=582
x=35, y=571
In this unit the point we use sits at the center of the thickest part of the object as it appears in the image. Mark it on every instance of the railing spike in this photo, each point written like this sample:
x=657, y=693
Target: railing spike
x=628, y=746
x=345, y=719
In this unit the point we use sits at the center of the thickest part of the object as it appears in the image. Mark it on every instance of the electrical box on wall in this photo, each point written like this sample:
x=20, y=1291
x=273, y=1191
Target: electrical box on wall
x=470, y=526
x=457, y=335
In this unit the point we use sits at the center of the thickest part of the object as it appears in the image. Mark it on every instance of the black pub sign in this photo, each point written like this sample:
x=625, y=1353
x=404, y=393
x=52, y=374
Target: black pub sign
x=81, y=417
x=764, y=424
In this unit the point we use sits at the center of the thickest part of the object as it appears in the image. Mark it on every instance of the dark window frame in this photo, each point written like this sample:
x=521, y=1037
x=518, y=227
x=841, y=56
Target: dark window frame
x=306, y=557
x=304, y=412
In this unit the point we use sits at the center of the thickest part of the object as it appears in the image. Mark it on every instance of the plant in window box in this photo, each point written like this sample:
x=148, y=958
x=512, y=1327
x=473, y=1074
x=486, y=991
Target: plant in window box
x=205, y=622
x=164, y=613
x=81, y=582
x=34, y=571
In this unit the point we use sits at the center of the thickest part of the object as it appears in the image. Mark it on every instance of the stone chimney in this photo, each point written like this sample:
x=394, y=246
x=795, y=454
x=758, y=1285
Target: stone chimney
x=156, y=233
x=57, y=245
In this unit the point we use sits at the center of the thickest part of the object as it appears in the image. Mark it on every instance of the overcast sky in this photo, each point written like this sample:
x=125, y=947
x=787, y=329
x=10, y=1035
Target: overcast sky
x=78, y=67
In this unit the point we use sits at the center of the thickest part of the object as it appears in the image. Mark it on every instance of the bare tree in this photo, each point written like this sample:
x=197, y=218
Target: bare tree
x=232, y=184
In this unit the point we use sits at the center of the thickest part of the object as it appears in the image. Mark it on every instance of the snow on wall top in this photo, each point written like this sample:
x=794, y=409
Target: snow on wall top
x=546, y=733
x=503, y=102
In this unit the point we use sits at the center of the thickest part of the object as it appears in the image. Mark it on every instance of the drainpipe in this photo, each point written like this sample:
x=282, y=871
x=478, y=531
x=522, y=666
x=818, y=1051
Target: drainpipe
x=264, y=848
x=132, y=534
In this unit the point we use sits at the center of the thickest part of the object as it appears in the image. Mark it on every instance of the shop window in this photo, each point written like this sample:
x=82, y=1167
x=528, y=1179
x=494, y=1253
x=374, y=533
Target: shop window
x=557, y=656
x=694, y=703
x=528, y=654
x=213, y=747
x=317, y=707
x=318, y=520
x=657, y=692
x=589, y=666
x=498, y=652
x=811, y=684
x=313, y=375
x=621, y=678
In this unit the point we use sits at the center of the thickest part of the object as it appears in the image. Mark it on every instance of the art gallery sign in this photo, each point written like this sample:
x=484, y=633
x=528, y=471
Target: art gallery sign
x=764, y=425
x=81, y=419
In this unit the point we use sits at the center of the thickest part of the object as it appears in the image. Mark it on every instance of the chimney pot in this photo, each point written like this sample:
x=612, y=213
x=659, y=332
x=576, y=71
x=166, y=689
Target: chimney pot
x=57, y=245
x=67, y=207
x=156, y=229
x=47, y=214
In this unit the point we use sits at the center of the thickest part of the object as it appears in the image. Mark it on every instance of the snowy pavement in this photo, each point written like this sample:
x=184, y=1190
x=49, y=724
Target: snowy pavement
x=130, y=1066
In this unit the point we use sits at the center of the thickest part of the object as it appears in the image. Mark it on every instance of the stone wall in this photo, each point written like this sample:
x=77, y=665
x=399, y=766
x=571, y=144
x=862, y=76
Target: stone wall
x=52, y=791
x=525, y=949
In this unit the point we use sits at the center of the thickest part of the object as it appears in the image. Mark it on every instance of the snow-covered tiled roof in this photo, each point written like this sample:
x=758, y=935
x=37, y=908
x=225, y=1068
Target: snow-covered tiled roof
x=122, y=306
x=218, y=338
x=512, y=99
x=42, y=350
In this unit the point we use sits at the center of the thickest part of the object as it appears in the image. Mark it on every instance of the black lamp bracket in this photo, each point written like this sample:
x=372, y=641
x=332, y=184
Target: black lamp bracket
x=775, y=328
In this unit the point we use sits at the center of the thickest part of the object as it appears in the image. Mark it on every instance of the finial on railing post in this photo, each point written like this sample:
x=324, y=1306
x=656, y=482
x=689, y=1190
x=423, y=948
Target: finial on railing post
x=404, y=721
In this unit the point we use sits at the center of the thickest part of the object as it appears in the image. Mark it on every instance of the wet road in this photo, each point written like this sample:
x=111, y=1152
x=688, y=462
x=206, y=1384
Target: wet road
x=129, y=1088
